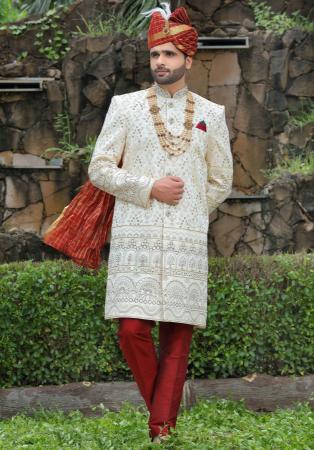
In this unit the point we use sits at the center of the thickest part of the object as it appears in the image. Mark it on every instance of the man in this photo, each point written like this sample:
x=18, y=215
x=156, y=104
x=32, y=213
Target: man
x=177, y=168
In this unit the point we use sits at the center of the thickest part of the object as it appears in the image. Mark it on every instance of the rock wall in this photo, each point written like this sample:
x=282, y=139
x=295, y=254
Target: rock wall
x=24, y=245
x=261, y=87
x=233, y=14
x=281, y=221
x=31, y=199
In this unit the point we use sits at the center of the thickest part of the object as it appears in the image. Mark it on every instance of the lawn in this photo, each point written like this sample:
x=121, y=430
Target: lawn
x=215, y=424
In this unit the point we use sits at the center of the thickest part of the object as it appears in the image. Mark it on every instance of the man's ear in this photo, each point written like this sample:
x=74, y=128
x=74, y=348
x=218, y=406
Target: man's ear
x=188, y=62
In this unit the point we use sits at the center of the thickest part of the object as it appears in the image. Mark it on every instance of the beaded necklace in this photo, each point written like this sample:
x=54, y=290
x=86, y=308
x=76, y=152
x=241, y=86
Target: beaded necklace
x=171, y=143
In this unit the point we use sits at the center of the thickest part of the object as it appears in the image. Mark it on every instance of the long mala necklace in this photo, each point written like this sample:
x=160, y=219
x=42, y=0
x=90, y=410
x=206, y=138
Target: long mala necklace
x=173, y=144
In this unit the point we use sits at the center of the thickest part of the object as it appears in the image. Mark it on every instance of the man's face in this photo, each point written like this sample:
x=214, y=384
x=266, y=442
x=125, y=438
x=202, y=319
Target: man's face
x=168, y=64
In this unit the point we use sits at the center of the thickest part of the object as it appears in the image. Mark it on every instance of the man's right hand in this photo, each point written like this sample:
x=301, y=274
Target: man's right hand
x=168, y=189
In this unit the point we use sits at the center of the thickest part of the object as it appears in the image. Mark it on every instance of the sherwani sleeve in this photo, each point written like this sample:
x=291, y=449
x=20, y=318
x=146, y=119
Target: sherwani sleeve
x=103, y=170
x=219, y=163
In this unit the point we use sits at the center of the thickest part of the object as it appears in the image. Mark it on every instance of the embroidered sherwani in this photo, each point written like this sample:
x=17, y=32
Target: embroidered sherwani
x=158, y=260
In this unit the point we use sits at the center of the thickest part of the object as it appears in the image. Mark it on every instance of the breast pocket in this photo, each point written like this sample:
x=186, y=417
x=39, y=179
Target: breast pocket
x=199, y=141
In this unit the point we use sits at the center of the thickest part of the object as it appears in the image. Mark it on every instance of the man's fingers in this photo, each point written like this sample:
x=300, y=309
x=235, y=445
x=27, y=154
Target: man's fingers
x=179, y=185
x=177, y=179
x=174, y=177
x=177, y=198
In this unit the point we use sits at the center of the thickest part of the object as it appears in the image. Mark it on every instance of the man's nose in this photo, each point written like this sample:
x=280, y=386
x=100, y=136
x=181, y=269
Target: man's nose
x=160, y=60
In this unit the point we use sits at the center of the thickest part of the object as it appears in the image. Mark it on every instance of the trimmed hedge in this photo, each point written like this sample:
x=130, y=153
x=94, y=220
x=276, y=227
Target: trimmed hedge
x=52, y=331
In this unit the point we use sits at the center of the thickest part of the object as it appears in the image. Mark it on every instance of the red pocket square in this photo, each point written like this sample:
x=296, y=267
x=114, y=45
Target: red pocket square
x=201, y=125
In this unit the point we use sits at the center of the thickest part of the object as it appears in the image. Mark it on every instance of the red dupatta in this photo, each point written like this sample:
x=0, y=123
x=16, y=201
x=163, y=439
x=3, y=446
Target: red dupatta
x=82, y=228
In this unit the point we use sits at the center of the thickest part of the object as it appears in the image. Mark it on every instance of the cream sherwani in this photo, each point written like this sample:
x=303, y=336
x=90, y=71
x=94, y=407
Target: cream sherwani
x=158, y=261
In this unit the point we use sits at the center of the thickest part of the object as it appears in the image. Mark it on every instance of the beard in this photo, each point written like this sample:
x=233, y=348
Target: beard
x=170, y=77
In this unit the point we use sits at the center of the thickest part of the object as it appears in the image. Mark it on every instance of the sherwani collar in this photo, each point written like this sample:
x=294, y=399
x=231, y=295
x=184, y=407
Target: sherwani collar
x=165, y=94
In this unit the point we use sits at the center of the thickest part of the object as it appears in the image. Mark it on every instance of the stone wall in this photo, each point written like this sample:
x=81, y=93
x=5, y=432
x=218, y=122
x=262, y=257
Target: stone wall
x=281, y=221
x=233, y=14
x=24, y=245
x=31, y=199
x=261, y=87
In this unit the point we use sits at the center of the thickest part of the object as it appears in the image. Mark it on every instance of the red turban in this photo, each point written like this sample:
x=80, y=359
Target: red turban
x=177, y=29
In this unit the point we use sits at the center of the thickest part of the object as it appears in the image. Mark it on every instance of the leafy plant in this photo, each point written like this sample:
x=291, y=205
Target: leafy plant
x=9, y=11
x=105, y=25
x=293, y=159
x=304, y=116
x=132, y=9
x=279, y=22
x=51, y=40
x=128, y=20
x=68, y=149
x=299, y=164
x=43, y=6
x=22, y=56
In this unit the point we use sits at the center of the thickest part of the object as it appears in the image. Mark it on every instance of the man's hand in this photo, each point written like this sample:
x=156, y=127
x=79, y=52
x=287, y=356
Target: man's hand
x=168, y=189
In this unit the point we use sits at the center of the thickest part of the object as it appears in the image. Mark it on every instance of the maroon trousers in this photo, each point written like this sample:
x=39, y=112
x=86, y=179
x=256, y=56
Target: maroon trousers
x=159, y=379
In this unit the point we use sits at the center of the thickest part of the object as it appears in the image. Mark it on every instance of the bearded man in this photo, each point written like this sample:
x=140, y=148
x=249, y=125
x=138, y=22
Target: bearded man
x=177, y=169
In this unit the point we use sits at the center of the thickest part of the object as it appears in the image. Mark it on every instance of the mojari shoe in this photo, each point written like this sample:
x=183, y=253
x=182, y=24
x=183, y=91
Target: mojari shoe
x=160, y=438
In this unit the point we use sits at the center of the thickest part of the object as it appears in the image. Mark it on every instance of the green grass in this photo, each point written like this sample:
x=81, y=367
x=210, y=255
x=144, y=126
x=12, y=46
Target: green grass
x=304, y=114
x=303, y=118
x=210, y=425
x=298, y=164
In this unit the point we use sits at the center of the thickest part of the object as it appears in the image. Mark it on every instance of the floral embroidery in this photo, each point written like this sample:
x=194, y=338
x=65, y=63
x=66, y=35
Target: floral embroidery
x=158, y=261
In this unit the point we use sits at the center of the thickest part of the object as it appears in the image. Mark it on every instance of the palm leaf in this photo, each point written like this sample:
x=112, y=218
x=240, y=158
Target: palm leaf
x=132, y=9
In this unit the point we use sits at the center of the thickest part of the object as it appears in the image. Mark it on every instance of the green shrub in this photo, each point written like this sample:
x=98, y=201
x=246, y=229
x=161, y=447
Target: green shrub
x=52, y=331
x=260, y=317
x=278, y=23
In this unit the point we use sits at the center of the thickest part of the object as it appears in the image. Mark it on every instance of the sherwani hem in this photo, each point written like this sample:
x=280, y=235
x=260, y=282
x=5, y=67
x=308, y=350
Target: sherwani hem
x=201, y=325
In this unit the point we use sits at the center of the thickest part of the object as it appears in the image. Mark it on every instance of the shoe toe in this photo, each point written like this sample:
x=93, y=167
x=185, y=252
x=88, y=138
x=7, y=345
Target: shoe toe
x=160, y=438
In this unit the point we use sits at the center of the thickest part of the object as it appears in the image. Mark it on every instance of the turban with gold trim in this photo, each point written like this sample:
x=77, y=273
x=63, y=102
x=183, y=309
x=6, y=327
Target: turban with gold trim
x=172, y=27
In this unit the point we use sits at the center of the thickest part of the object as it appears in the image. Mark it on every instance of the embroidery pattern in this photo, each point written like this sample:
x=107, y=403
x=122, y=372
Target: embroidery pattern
x=158, y=262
